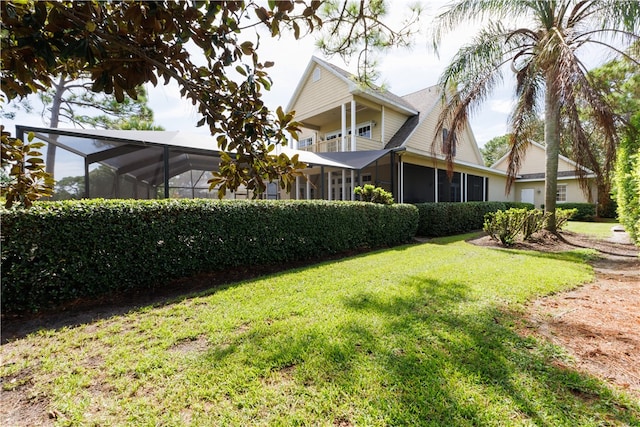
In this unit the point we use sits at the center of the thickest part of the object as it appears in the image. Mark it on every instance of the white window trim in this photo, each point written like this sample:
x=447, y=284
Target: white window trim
x=338, y=134
x=333, y=135
x=561, y=196
x=305, y=142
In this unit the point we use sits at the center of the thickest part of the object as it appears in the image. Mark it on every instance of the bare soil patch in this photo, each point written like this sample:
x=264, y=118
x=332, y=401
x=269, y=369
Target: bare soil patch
x=598, y=323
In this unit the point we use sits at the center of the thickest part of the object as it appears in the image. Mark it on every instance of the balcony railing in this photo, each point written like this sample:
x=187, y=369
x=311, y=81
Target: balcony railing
x=334, y=145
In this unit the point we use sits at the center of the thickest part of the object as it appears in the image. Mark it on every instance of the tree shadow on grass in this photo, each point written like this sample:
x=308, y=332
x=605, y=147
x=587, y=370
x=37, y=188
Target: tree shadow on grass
x=83, y=311
x=432, y=356
x=462, y=360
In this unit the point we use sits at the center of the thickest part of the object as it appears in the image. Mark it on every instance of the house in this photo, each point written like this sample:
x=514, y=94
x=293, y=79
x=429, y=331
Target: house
x=351, y=135
x=392, y=135
x=529, y=186
x=389, y=141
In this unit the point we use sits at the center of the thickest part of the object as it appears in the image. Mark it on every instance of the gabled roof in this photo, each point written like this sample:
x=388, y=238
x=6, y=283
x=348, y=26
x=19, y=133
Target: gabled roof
x=423, y=101
x=541, y=175
x=375, y=93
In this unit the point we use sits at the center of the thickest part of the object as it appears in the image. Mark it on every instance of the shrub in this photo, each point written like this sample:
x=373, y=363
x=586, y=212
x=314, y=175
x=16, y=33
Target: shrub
x=609, y=210
x=372, y=194
x=564, y=215
x=519, y=205
x=59, y=251
x=584, y=211
x=534, y=221
x=627, y=180
x=447, y=219
x=506, y=226
x=26, y=180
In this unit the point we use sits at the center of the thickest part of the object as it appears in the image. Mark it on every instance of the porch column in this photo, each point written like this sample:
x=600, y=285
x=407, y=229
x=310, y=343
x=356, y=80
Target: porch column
x=86, y=179
x=381, y=128
x=343, y=127
x=401, y=181
x=308, y=189
x=321, y=182
x=353, y=180
x=465, y=177
x=392, y=173
x=353, y=125
x=329, y=187
x=435, y=185
x=485, y=181
x=344, y=185
x=166, y=171
x=296, y=189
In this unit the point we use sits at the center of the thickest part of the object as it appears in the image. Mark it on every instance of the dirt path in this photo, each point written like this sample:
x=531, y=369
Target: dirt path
x=598, y=323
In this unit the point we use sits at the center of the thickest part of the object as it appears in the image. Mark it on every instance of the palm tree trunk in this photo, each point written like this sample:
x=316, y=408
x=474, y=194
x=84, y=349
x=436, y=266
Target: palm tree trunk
x=552, y=148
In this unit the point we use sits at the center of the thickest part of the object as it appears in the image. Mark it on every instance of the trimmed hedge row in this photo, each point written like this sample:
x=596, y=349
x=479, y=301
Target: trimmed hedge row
x=585, y=211
x=59, y=251
x=447, y=219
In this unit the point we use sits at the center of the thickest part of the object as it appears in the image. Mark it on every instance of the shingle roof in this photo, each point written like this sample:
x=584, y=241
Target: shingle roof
x=423, y=101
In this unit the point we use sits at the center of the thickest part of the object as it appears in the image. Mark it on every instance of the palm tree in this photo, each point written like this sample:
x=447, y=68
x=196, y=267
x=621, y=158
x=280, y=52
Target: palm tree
x=541, y=41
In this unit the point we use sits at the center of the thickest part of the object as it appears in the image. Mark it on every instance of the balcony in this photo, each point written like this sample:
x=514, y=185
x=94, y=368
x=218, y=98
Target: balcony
x=334, y=145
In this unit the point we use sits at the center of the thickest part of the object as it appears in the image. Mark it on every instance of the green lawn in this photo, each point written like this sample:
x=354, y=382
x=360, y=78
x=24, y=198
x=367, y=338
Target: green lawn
x=421, y=334
x=601, y=230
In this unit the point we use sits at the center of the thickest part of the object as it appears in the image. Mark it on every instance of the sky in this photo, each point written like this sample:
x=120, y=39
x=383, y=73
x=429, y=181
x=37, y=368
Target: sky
x=402, y=71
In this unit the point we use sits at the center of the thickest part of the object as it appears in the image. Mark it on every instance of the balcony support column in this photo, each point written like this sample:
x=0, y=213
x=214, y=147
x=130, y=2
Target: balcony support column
x=343, y=127
x=353, y=125
x=381, y=128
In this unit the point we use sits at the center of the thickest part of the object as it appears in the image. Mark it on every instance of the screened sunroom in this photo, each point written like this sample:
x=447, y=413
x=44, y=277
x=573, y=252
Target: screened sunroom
x=98, y=163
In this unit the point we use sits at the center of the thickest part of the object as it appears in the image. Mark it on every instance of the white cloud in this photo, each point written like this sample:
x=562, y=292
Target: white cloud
x=502, y=106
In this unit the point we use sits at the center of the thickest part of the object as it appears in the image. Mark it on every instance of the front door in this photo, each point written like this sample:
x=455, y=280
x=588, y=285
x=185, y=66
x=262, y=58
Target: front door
x=526, y=195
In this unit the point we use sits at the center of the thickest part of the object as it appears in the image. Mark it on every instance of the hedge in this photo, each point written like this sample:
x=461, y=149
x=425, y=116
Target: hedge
x=447, y=219
x=627, y=179
x=585, y=211
x=59, y=251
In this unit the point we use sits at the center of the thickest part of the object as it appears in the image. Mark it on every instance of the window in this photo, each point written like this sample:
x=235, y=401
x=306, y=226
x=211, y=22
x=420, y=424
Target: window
x=365, y=178
x=333, y=135
x=561, y=194
x=364, y=131
x=316, y=74
x=446, y=147
x=272, y=191
x=305, y=142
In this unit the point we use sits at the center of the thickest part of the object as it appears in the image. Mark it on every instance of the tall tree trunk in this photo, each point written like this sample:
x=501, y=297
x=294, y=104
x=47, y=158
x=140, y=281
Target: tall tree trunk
x=54, y=120
x=552, y=148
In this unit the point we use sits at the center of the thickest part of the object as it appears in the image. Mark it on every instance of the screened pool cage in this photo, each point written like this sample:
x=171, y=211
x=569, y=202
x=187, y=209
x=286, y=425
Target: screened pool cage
x=97, y=163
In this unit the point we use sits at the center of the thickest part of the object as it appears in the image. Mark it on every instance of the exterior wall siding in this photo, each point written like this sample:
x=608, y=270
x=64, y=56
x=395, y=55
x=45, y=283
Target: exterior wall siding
x=321, y=95
x=393, y=121
x=423, y=139
x=574, y=192
x=535, y=161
